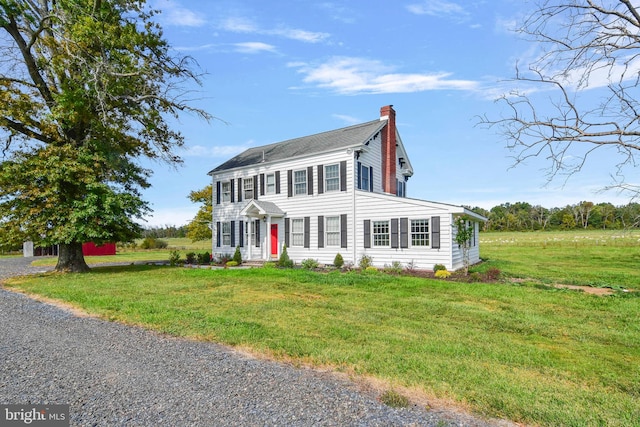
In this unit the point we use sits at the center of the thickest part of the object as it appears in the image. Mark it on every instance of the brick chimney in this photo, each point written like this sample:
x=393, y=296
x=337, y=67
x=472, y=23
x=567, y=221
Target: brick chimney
x=388, y=149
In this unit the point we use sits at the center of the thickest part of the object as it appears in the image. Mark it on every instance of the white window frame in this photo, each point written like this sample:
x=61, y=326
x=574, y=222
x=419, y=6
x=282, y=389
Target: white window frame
x=332, y=231
x=364, y=177
x=225, y=189
x=332, y=177
x=271, y=183
x=297, y=232
x=226, y=234
x=381, y=234
x=419, y=236
x=299, y=186
x=247, y=189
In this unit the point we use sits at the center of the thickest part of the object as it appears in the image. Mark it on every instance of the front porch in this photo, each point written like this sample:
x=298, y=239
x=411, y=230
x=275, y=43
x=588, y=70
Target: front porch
x=267, y=220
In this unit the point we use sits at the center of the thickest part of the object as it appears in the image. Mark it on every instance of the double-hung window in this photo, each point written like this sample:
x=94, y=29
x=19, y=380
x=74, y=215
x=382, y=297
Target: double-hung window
x=226, y=191
x=226, y=234
x=297, y=232
x=380, y=233
x=332, y=178
x=300, y=182
x=248, y=189
x=271, y=183
x=364, y=178
x=419, y=232
x=333, y=230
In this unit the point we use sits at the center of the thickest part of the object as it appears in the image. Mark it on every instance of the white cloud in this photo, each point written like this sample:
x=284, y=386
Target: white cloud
x=215, y=150
x=247, y=26
x=349, y=75
x=347, y=119
x=254, y=47
x=437, y=8
x=174, y=14
x=177, y=216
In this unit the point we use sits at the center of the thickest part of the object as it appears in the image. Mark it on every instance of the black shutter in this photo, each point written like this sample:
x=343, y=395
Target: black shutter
x=320, y=179
x=233, y=234
x=277, y=182
x=287, y=230
x=435, y=232
x=321, y=231
x=218, y=234
x=310, y=180
x=343, y=230
x=370, y=179
x=307, y=231
x=240, y=189
x=233, y=196
x=218, y=192
x=367, y=233
x=290, y=183
x=394, y=232
x=255, y=187
x=343, y=175
x=404, y=232
x=257, y=225
x=241, y=234
x=262, y=184
x=359, y=177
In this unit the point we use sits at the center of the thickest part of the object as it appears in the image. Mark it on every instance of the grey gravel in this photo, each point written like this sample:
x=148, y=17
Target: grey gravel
x=117, y=375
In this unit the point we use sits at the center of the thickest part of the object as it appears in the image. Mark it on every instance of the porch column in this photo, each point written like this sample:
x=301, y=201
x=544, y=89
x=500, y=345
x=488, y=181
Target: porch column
x=249, y=224
x=268, y=236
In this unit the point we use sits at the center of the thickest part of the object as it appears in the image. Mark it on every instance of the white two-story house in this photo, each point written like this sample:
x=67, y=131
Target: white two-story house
x=342, y=191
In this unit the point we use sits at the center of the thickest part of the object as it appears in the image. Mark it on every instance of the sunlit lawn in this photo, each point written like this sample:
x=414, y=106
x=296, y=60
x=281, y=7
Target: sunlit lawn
x=516, y=350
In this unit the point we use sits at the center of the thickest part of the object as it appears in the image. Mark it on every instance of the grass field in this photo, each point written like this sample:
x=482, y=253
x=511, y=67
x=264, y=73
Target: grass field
x=533, y=354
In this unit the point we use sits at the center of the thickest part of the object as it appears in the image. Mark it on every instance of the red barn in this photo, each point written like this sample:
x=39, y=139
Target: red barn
x=90, y=249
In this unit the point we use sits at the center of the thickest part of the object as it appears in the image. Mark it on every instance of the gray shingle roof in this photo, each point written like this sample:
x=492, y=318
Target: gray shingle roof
x=318, y=143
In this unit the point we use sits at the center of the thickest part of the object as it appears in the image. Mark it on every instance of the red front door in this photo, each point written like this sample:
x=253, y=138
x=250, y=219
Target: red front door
x=274, y=240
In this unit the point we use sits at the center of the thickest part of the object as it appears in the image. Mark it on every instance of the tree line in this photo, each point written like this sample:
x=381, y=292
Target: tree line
x=523, y=216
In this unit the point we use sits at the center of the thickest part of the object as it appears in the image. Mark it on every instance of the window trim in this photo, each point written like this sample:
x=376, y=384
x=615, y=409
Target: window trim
x=381, y=239
x=335, y=234
x=270, y=188
x=247, y=185
x=297, y=236
x=415, y=234
x=300, y=183
x=226, y=233
x=225, y=194
x=335, y=180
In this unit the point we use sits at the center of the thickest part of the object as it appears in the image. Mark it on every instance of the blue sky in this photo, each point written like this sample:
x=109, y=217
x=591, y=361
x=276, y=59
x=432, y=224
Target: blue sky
x=277, y=70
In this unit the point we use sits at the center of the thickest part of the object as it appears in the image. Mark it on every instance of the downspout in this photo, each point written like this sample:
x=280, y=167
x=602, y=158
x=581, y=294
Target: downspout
x=353, y=204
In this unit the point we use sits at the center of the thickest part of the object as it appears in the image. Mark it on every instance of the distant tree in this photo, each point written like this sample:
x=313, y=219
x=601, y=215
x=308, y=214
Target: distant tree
x=200, y=226
x=588, y=50
x=85, y=90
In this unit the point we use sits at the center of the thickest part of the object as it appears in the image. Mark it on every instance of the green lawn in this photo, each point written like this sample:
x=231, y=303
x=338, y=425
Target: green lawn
x=532, y=355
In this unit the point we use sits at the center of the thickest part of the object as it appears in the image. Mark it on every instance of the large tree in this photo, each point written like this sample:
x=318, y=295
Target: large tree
x=579, y=95
x=86, y=89
x=200, y=226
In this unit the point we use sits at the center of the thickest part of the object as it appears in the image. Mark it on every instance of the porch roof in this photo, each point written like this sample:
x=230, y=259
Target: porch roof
x=261, y=208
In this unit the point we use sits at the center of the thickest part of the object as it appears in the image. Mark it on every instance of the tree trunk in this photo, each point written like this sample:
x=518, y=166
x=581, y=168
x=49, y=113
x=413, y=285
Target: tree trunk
x=71, y=259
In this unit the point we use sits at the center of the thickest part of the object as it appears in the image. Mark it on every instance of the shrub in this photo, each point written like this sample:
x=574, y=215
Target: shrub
x=309, y=264
x=190, y=258
x=394, y=268
x=237, y=256
x=285, y=261
x=439, y=267
x=411, y=266
x=493, y=273
x=174, y=258
x=232, y=263
x=371, y=269
x=442, y=274
x=394, y=399
x=204, y=258
x=365, y=261
x=224, y=258
x=475, y=277
x=338, y=262
x=153, y=243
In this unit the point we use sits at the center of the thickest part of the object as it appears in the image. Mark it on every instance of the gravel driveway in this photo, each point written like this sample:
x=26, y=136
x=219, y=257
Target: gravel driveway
x=116, y=375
